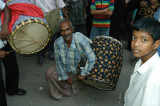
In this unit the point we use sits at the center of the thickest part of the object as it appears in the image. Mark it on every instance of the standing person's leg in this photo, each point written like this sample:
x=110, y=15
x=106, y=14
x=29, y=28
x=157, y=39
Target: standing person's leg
x=117, y=19
x=104, y=31
x=12, y=73
x=94, y=32
x=41, y=56
x=89, y=24
x=81, y=28
x=3, y=101
x=51, y=47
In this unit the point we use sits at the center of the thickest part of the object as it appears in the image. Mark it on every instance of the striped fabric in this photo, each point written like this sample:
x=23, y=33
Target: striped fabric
x=99, y=20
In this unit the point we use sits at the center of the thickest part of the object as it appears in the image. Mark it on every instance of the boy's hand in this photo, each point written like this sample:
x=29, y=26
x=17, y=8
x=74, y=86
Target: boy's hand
x=80, y=77
x=69, y=81
x=3, y=53
x=106, y=10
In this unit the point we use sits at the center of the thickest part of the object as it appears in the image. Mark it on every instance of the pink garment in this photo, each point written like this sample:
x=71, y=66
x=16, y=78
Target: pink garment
x=58, y=89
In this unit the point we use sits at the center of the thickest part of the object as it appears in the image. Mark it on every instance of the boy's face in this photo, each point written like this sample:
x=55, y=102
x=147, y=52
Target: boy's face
x=142, y=45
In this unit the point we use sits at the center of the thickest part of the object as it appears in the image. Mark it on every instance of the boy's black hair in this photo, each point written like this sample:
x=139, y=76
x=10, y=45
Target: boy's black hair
x=149, y=25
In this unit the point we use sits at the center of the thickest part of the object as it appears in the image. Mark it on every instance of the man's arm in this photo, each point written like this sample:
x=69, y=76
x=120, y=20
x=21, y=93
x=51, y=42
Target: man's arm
x=91, y=58
x=65, y=13
x=60, y=66
x=7, y=18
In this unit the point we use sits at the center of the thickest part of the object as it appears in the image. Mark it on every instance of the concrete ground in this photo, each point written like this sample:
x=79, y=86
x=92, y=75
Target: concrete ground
x=32, y=79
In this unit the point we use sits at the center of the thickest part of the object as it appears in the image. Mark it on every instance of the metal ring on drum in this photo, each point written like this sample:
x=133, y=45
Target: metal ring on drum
x=109, y=58
x=29, y=35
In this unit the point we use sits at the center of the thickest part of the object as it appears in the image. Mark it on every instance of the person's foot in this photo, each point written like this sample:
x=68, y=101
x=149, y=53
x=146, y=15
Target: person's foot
x=40, y=60
x=20, y=92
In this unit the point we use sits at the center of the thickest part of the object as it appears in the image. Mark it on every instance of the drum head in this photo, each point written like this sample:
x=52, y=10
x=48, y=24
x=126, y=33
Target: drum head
x=30, y=38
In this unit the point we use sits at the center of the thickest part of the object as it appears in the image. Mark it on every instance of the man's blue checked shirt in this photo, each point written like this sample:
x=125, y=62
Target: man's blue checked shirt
x=67, y=59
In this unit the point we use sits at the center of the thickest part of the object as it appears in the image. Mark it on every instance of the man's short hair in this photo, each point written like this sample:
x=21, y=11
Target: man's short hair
x=149, y=25
x=64, y=21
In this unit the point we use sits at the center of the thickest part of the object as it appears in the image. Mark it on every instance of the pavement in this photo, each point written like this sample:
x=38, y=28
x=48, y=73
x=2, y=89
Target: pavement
x=32, y=79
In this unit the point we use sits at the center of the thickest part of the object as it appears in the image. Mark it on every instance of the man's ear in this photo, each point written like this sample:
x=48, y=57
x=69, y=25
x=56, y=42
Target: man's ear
x=156, y=44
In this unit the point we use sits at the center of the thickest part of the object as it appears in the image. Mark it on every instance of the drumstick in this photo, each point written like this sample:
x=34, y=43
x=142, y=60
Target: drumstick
x=75, y=95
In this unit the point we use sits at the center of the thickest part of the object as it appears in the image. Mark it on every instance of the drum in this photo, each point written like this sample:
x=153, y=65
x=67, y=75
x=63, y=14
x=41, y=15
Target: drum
x=29, y=34
x=53, y=18
x=106, y=70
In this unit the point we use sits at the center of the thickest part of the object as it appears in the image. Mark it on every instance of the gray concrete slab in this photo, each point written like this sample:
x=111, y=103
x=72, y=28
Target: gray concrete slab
x=32, y=77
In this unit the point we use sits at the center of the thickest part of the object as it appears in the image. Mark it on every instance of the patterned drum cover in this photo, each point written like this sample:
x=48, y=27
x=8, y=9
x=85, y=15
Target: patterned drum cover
x=29, y=34
x=106, y=70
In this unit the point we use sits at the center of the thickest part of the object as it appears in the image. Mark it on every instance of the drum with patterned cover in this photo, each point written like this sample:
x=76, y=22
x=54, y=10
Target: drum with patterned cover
x=106, y=70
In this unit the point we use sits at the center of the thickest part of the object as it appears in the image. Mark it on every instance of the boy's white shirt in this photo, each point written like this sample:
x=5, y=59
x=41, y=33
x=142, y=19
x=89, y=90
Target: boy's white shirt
x=144, y=87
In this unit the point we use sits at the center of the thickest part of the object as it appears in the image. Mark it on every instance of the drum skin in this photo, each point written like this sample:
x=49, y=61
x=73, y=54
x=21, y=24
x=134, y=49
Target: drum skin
x=29, y=34
x=106, y=70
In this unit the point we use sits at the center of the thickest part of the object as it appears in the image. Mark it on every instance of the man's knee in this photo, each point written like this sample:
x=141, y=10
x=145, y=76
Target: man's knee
x=50, y=71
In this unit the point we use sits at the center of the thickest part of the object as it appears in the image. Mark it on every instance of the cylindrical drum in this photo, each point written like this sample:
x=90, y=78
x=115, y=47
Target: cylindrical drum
x=106, y=70
x=29, y=34
x=53, y=18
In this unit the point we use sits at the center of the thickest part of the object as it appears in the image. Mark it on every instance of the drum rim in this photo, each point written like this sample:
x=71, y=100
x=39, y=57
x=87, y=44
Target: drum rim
x=23, y=23
x=99, y=81
x=109, y=37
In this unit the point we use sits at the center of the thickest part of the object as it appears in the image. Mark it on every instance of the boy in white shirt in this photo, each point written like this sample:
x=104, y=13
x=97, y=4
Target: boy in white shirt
x=144, y=87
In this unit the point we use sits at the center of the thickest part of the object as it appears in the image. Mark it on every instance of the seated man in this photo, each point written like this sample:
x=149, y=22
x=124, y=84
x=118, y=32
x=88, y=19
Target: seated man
x=69, y=49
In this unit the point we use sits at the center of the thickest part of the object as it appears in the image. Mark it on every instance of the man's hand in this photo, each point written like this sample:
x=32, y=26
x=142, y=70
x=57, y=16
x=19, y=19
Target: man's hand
x=3, y=53
x=4, y=34
x=69, y=81
x=80, y=77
